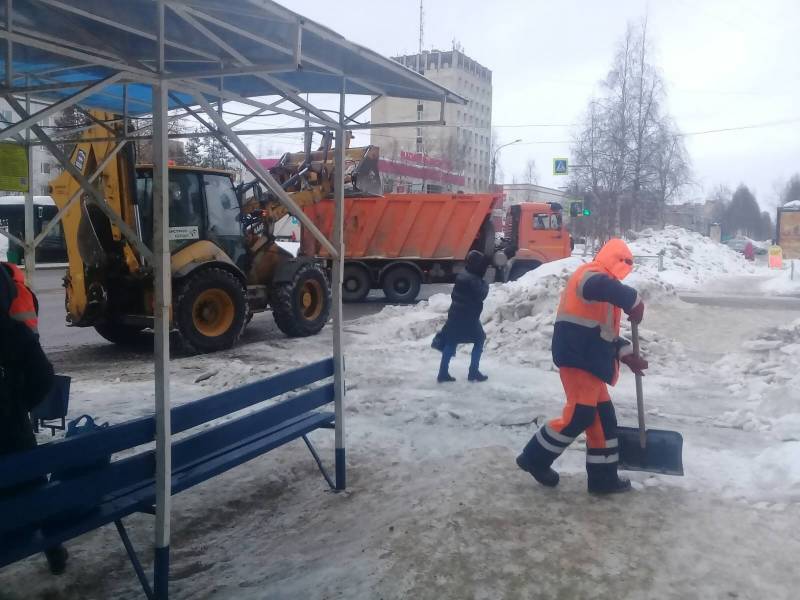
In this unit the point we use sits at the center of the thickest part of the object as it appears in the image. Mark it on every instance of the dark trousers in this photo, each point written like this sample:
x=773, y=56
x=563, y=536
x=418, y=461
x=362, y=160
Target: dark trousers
x=449, y=351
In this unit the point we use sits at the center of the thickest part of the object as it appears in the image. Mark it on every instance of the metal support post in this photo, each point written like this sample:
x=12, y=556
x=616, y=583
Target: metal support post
x=336, y=285
x=29, y=247
x=162, y=304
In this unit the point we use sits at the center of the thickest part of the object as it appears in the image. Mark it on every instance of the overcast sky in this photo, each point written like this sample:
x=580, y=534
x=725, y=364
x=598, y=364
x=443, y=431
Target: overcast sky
x=727, y=63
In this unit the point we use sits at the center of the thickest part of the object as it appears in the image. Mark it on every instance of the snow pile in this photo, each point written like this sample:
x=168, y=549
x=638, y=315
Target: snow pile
x=518, y=316
x=765, y=373
x=690, y=259
x=783, y=284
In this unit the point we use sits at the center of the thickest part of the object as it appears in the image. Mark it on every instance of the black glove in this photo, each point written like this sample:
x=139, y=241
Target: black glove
x=636, y=363
x=636, y=312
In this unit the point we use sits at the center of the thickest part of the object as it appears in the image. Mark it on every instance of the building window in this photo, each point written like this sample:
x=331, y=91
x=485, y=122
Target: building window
x=45, y=168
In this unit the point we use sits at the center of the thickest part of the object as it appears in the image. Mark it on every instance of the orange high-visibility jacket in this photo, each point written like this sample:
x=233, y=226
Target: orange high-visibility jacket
x=24, y=307
x=586, y=332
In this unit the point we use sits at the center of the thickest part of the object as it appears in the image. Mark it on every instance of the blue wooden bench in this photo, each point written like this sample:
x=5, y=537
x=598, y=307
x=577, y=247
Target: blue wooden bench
x=127, y=485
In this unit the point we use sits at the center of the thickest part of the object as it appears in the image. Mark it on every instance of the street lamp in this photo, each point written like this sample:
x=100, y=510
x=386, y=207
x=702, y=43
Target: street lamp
x=494, y=158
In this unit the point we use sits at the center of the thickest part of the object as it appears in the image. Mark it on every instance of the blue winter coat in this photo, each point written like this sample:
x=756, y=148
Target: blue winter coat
x=464, y=318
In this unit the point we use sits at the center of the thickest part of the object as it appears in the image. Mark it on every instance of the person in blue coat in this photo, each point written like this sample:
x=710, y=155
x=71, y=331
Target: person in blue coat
x=463, y=324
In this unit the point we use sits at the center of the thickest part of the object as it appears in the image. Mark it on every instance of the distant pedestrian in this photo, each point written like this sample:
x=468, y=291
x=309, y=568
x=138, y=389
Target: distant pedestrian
x=26, y=376
x=463, y=324
x=749, y=251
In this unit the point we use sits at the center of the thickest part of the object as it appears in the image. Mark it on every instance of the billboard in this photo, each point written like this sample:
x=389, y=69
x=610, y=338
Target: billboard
x=789, y=232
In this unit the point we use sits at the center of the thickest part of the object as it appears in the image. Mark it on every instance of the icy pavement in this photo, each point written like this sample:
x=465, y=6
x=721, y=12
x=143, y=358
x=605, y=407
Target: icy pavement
x=436, y=507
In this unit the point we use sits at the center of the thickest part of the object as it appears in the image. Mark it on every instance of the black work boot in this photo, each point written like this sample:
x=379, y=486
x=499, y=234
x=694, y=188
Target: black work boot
x=57, y=559
x=547, y=476
x=604, y=480
x=445, y=377
x=476, y=376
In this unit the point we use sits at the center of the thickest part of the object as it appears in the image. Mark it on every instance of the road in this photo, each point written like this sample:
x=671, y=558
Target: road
x=55, y=334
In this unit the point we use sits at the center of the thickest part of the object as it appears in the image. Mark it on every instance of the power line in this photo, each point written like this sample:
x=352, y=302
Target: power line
x=741, y=127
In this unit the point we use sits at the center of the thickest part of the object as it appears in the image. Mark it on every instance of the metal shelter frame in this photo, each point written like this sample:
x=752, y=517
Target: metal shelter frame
x=178, y=59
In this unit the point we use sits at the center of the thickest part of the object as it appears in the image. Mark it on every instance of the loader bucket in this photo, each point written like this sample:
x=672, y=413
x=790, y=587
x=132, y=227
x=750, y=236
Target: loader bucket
x=662, y=453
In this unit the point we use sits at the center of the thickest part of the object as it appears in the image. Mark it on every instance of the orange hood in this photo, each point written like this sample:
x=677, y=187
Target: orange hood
x=616, y=258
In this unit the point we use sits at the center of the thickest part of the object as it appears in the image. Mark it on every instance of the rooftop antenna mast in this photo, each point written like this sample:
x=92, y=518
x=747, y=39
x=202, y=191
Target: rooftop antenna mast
x=421, y=25
x=421, y=70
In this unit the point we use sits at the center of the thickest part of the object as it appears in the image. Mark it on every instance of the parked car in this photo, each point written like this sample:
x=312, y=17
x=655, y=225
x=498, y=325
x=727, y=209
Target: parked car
x=739, y=244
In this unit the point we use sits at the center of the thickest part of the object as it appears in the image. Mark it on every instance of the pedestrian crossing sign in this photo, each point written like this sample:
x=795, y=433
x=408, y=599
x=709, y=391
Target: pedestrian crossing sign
x=560, y=166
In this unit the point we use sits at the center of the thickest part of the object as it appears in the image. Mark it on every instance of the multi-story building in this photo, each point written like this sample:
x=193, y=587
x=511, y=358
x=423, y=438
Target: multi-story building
x=44, y=164
x=456, y=157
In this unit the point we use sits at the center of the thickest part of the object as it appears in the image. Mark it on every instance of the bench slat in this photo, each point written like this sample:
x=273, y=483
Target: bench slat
x=42, y=502
x=213, y=407
x=190, y=475
x=63, y=454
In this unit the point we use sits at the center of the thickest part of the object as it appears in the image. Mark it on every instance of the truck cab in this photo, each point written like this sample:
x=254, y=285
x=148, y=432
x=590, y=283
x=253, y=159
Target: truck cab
x=535, y=234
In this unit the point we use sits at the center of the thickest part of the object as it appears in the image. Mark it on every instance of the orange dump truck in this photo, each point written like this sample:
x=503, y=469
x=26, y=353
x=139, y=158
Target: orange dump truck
x=398, y=242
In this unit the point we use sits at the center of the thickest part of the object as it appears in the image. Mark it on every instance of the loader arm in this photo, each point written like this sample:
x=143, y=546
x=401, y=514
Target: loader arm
x=94, y=243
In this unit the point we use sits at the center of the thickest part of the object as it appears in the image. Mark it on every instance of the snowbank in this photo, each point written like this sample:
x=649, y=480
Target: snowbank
x=783, y=284
x=690, y=259
x=766, y=374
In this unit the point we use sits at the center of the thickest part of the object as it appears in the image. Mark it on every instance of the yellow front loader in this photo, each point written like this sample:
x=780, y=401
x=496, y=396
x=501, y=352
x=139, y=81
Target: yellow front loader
x=225, y=264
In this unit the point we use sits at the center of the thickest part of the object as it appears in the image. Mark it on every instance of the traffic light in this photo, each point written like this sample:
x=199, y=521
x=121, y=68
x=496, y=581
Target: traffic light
x=587, y=206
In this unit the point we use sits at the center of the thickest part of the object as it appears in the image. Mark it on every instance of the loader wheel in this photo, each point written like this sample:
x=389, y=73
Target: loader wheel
x=123, y=335
x=301, y=307
x=401, y=285
x=355, y=283
x=210, y=310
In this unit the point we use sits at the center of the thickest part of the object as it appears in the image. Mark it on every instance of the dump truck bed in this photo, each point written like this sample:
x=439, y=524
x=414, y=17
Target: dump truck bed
x=413, y=226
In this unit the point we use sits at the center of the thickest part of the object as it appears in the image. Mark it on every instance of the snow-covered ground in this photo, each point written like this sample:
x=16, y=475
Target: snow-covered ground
x=436, y=507
x=785, y=283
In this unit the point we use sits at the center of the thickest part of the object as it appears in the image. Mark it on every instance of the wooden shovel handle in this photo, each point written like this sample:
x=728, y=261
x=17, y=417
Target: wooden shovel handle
x=639, y=387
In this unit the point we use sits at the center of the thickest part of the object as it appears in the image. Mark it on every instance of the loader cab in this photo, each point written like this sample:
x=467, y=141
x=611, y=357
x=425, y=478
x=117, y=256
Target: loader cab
x=203, y=205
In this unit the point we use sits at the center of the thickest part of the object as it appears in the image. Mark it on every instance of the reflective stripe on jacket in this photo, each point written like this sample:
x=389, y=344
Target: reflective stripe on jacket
x=23, y=306
x=586, y=333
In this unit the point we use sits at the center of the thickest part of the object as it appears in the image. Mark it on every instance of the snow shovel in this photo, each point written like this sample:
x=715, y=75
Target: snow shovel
x=653, y=450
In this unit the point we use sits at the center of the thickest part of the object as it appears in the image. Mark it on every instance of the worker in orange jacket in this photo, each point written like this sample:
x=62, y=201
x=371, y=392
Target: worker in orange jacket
x=25, y=305
x=587, y=349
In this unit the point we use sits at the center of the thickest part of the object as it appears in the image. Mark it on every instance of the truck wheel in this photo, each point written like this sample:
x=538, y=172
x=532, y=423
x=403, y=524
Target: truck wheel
x=302, y=306
x=122, y=334
x=210, y=310
x=355, y=283
x=519, y=269
x=401, y=284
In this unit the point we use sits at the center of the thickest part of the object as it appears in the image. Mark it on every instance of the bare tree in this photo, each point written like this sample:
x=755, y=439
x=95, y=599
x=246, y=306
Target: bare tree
x=634, y=159
x=791, y=190
x=530, y=175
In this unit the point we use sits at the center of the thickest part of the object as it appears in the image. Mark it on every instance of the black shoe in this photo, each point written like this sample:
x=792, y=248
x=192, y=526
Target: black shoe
x=618, y=485
x=476, y=376
x=544, y=475
x=445, y=378
x=57, y=559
